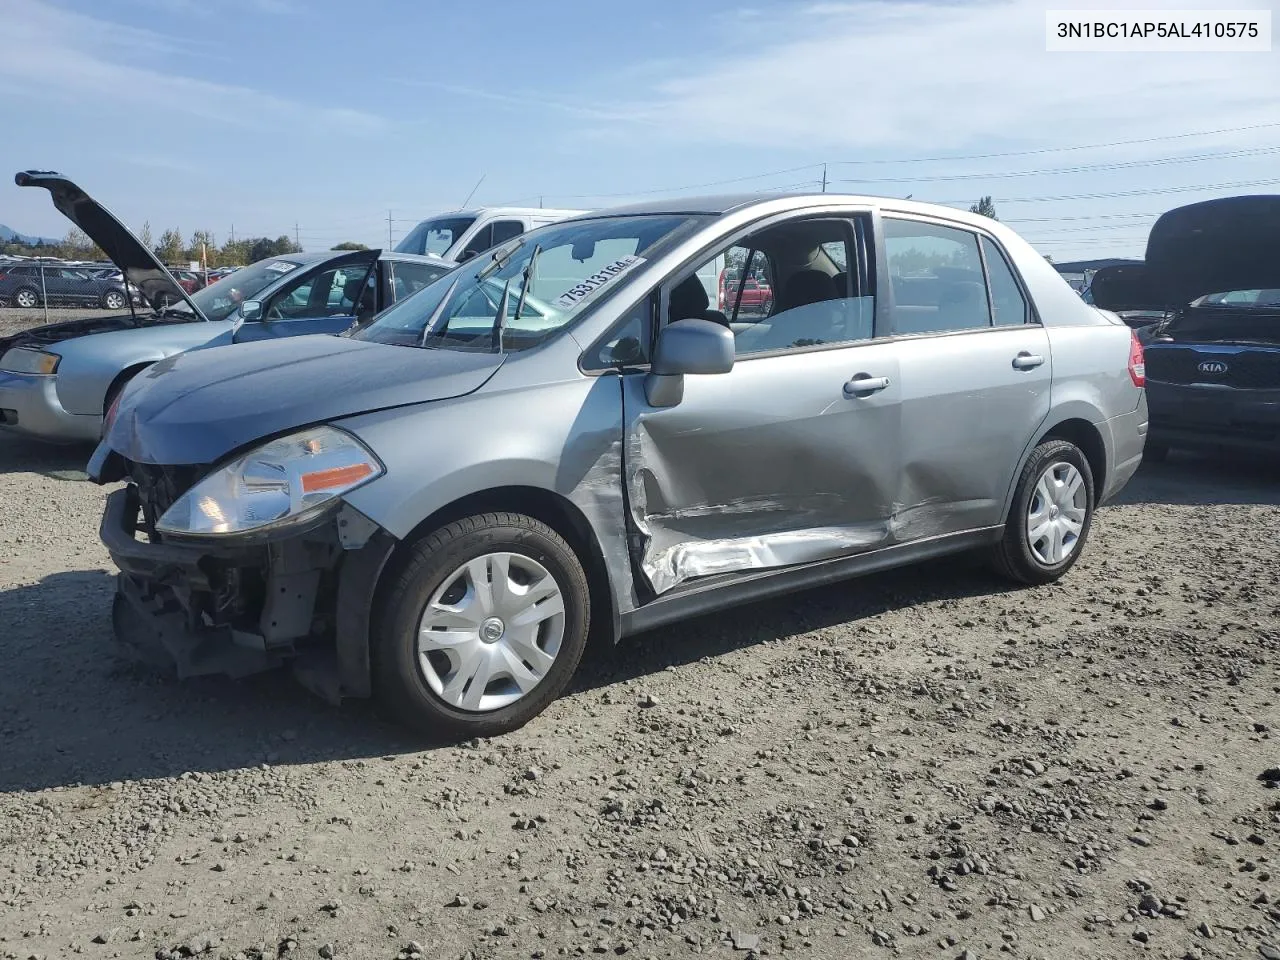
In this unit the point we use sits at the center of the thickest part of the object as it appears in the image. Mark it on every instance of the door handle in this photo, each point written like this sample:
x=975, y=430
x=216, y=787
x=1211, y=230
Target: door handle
x=1027, y=361
x=863, y=385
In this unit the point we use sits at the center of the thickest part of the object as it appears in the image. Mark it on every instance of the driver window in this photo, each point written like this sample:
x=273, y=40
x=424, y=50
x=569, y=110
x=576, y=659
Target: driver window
x=329, y=293
x=786, y=287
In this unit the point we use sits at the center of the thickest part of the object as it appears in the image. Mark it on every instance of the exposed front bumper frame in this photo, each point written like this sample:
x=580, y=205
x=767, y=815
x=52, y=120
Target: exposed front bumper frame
x=158, y=615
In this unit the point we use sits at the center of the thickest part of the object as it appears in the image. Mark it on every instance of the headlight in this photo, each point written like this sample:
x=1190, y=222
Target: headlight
x=282, y=482
x=25, y=360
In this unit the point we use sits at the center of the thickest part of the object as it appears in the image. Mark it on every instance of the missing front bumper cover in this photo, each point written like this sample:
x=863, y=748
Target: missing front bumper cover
x=302, y=598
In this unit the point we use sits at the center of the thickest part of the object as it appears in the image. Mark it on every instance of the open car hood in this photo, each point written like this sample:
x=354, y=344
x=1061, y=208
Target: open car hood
x=138, y=264
x=1202, y=248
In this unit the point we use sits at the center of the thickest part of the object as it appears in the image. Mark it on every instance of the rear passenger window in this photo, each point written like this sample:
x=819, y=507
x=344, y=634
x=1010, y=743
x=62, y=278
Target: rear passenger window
x=1007, y=302
x=504, y=230
x=936, y=275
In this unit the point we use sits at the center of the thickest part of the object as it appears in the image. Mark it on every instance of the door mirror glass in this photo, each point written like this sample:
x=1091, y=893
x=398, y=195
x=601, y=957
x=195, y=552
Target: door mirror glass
x=251, y=311
x=693, y=346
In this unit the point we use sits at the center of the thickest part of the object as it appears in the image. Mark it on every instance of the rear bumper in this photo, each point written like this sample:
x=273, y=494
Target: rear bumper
x=29, y=405
x=1210, y=416
x=303, y=598
x=1127, y=437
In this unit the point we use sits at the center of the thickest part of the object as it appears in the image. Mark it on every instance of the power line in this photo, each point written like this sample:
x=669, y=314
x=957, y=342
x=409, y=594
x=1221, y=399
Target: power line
x=1086, y=146
x=1082, y=168
x=1144, y=192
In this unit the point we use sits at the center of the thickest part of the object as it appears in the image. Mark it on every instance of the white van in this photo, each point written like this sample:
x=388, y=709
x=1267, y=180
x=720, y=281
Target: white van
x=462, y=234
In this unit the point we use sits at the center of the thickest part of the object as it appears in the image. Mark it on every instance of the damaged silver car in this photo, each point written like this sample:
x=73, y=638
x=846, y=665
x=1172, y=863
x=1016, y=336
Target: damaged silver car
x=563, y=440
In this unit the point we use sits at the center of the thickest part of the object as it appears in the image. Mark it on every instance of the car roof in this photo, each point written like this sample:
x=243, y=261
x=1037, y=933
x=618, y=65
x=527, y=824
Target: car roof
x=721, y=204
x=418, y=258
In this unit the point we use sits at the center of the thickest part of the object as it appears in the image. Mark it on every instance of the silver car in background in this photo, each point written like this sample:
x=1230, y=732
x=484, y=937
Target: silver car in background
x=440, y=509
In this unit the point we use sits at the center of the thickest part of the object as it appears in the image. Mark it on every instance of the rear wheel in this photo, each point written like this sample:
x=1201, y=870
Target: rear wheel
x=113, y=300
x=26, y=298
x=483, y=626
x=1051, y=515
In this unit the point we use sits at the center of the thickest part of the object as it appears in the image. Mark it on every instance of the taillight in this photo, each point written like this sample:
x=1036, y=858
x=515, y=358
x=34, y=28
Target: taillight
x=1137, y=361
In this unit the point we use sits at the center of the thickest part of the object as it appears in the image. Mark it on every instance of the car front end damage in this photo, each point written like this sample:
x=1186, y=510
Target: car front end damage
x=297, y=595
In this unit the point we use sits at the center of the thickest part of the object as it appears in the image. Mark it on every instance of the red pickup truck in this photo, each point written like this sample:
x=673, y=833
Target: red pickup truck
x=757, y=296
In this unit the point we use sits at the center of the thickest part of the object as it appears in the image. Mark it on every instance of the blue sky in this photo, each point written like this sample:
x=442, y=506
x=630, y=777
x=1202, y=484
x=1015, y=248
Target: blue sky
x=204, y=114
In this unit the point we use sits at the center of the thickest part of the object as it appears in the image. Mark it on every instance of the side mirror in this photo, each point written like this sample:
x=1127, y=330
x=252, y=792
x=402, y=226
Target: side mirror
x=692, y=346
x=251, y=311
x=467, y=255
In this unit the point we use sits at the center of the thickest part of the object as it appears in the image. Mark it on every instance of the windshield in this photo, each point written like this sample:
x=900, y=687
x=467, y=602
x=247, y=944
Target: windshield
x=1263, y=299
x=578, y=264
x=435, y=235
x=220, y=300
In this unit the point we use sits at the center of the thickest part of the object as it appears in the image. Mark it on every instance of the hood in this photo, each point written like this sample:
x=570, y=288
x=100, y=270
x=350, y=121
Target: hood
x=138, y=264
x=1124, y=287
x=194, y=408
x=51, y=333
x=1202, y=248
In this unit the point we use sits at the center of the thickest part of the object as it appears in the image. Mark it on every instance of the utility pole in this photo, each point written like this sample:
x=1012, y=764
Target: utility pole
x=297, y=242
x=824, y=178
x=388, y=229
x=233, y=233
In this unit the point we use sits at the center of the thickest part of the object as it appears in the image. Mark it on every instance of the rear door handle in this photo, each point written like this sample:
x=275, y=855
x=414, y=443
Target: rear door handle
x=1027, y=361
x=864, y=385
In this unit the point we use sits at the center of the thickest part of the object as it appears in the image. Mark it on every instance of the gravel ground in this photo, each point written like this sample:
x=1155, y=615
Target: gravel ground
x=919, y=764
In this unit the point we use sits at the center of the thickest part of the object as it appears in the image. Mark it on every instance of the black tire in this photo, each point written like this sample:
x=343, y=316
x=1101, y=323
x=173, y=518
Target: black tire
x=1013, y=555
x=1155, y=452
x=107, y=297
x=25, y=293
x=113, y=391
x=399, y=683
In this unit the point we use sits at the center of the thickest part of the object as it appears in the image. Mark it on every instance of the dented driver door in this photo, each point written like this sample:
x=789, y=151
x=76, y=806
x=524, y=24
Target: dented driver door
x=777, y=462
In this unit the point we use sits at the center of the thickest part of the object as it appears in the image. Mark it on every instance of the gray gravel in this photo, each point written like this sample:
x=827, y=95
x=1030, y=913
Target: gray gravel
x=918, y=764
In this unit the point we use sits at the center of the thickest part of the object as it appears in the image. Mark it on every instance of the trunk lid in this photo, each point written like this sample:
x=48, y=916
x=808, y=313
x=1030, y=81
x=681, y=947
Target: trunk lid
x=139, y=265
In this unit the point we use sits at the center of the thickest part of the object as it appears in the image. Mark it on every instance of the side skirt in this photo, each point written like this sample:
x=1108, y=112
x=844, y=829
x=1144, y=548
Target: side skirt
x=717, y=593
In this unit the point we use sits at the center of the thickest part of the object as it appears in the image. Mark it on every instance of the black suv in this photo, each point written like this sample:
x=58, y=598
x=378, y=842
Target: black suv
x=27, y=285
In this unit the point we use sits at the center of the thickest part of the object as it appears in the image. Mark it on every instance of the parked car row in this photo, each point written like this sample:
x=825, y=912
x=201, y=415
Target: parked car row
x=1209, y=288
x=28, y=285
x=569, y=435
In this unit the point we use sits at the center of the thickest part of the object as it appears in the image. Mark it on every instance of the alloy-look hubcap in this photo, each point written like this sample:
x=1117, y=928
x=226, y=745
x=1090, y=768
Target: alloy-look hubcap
x=491, y=632
x=1057, y=513
x=26, y=300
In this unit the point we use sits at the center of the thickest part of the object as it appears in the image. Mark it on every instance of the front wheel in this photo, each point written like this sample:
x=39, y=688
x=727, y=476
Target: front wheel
x=483, y=625
x=26, y=298
x=113, y=300
x=1051, y=515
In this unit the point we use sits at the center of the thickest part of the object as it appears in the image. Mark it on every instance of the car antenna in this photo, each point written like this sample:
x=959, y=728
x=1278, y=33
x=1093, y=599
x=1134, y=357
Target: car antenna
x=473, y=191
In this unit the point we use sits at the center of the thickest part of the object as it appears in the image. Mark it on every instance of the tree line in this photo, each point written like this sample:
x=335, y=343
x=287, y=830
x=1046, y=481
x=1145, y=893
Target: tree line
x=171, y=248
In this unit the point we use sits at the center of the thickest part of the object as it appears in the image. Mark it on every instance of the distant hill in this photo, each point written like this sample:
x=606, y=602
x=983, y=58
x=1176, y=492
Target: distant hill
x=9, y=235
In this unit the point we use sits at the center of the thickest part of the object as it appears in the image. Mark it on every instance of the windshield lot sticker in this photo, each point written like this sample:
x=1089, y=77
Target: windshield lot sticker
x=576, y=294
x=282, y=266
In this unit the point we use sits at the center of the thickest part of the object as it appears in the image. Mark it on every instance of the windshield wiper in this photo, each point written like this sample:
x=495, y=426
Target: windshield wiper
x=428, y=328
x=500, y=318
x=528, y=278
x=499, y=259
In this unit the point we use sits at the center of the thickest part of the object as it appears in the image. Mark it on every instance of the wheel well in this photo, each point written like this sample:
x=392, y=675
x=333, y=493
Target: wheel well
x=562, y=516
x=123, y=377
x=1085, y=436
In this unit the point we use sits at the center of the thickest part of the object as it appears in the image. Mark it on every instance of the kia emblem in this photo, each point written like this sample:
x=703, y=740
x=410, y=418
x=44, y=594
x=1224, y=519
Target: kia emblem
x=1212, y=366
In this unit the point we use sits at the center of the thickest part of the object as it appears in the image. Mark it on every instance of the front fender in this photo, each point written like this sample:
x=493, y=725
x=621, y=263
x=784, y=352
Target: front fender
x=91, y=364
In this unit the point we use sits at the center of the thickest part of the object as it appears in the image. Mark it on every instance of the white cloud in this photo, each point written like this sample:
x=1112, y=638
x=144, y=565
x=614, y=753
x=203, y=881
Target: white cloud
x=940, y=76
x=55, y=54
